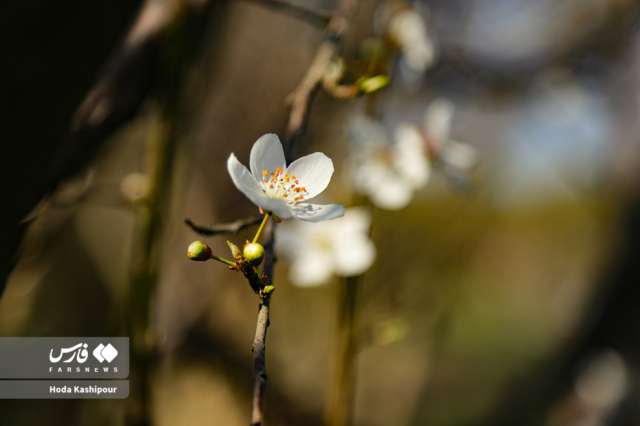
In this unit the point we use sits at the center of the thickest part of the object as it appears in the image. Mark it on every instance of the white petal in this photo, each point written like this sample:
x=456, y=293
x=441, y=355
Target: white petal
x=356, y=220
x=392, y=194
x=317, y=212
x=460, y=155
x=367, y=131
x=311, y=269
x=372, y=174
x=289, y=239
x=407, y=27
x=243, y=179
x=266, y=154
x=438, y=120
x=355, y=256
x=251, y=188
x=410, y=160
x=275, y=205
x=419, y=55
x=366, y=174
x=313, y=171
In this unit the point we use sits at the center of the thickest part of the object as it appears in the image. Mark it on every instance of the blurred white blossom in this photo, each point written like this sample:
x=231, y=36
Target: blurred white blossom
x=385, y=171
x=437, y=126
x=390, y=171
x=409, y=31
x=318, y=251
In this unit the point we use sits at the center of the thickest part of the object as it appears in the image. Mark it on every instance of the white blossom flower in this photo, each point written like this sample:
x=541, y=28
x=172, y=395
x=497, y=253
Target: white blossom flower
x=341, y=247
x=409, y=31
x=452, y=157
x=282, y=190
x=437, y=126
x=387, y=172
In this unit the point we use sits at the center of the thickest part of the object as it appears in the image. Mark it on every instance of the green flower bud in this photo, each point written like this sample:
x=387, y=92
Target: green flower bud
x=371, y=84
x=235, y=251
x=268, y=289
x=254, y=253
x=199, y=251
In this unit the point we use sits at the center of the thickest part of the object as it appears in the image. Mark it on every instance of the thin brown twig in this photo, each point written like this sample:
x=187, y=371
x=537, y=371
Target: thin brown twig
x=300, y=99
x=256, y=282
x=225, y=228
x=259, y=342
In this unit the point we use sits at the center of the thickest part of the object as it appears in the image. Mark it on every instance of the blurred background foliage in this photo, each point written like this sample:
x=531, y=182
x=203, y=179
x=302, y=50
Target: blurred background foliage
x=514, y=302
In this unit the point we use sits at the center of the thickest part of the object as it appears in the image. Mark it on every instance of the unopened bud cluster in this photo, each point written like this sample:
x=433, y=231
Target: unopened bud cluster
x=247, y=261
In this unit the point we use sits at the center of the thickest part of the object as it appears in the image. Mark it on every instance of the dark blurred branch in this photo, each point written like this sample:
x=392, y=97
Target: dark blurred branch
x=314, y=17
x=339, y=397
x=171, y=18
x=225, y=228
x=121, y=88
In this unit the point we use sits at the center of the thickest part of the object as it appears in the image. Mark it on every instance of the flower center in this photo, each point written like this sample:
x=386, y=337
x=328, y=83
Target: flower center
x=283, y=186
x=384, y=155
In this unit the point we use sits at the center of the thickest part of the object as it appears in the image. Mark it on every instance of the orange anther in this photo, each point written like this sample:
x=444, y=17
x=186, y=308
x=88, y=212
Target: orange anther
x=270, y=186
x=278, y=169
x=264, y=172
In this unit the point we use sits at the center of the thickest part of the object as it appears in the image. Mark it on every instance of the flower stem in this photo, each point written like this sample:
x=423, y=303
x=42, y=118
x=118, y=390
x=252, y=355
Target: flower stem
x=219, y=259
x=264, y=222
